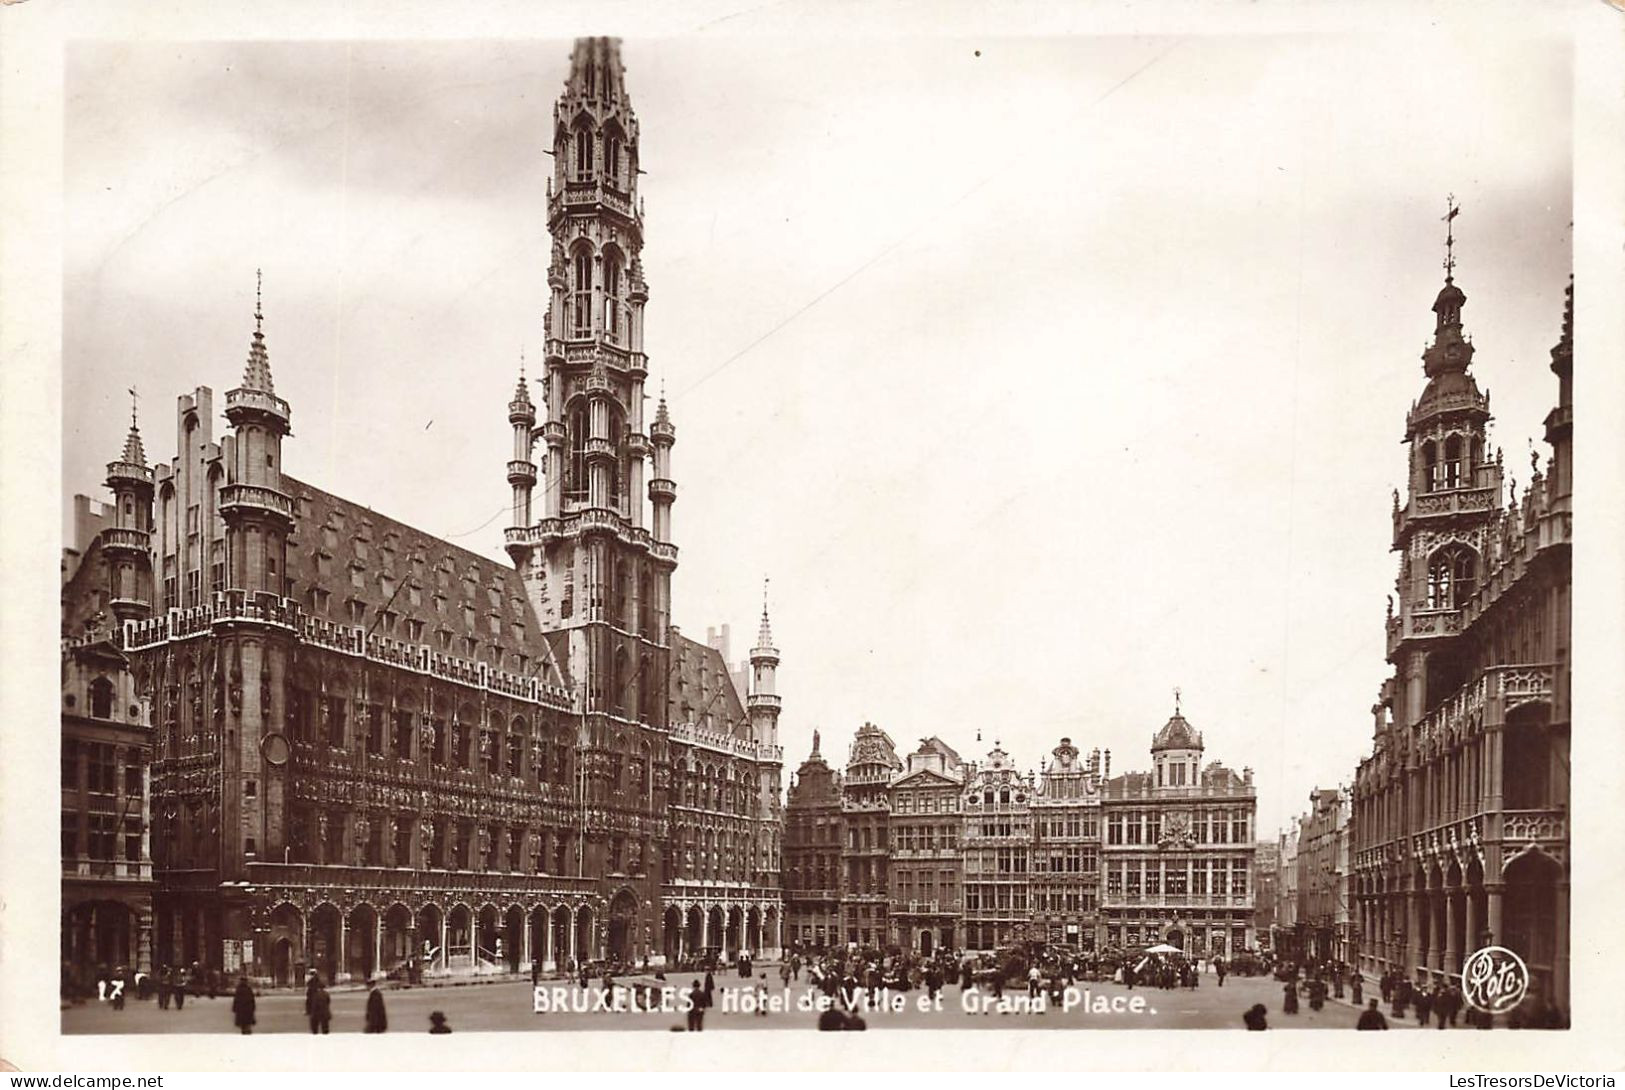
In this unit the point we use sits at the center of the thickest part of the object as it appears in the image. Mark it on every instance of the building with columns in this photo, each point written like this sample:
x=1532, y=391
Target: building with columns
x=1460, y=835
x=1178, y=851
x=377, y=751
x=925, y=878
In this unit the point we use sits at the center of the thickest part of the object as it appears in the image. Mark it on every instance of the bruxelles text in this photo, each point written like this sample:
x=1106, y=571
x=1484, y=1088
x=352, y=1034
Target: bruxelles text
x=562, y=1000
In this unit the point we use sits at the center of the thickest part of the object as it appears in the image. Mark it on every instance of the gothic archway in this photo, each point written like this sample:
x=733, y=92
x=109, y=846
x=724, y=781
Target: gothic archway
x=623, y=926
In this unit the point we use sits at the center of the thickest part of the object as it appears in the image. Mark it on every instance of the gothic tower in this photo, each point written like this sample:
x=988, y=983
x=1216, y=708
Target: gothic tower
x=128, y=542
x=596, y=568
x=1452, y=497
x=252, y=667
x=763, y=706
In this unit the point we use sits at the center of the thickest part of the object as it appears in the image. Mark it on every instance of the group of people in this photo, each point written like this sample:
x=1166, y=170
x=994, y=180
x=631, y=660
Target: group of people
x=1443, y=1000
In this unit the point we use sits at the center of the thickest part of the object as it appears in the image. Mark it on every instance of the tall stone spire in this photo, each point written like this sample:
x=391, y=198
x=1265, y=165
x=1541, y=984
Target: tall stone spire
x=596, y=73
x=257, y=372
x=134, y=452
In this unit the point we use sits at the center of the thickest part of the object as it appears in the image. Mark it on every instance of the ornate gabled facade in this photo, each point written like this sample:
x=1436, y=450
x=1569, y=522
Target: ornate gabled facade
x=1178, y=850
x=925, y=877
x=865, y=820
x=997, y=847
x=813, y=847
x=1459, y=831
x=379, y=752
x=1066, y=849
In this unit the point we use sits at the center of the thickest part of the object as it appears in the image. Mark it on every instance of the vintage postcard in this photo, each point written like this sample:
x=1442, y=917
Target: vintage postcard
x=576, y=527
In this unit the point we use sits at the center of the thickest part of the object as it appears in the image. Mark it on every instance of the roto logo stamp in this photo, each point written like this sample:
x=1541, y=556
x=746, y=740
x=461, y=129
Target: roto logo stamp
x=1494, y=980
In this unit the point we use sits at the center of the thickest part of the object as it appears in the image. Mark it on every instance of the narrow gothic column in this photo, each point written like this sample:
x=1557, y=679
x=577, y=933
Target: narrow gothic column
x=377, y=946
x=525, y=957
x=1452, y=950
x=1413, y=931
x=1471, y=926
x=445, y=938
x=341, y=964
x=1493, y=892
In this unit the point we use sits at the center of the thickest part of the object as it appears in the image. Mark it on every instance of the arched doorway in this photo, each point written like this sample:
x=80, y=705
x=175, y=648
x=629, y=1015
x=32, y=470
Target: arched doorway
x=488, y=951
x=325, y=924
x=287, y=952
x=713, y=932
x=459, y=956
x=925, y=942
x=361, y=943
x=397, y=940
x=539, y=951
x=586, y=947
x=564, y=951
x=671, y=934
x=694, y=932
x=513, y=938
x=623, y=923
x=1530, y=922
x=431, y=952
x=736, y=927
x=753, y=932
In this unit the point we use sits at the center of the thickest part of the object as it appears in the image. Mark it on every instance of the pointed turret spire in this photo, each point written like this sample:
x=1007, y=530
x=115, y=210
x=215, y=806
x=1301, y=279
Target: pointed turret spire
x=257, y=372
x=521, y=392
x=764, y=636
x=595, y=70
x=134, y=452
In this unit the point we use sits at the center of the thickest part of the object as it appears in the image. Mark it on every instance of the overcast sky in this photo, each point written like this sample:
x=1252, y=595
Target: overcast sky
x=1040, y=379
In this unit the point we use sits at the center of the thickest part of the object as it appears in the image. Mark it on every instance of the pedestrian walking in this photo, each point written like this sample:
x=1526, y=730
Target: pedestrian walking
x=1371, y=1018
x=1289, y=998
x=242, y=1005
x=163, y=987
x=321, y=1009
x=377, y=1020
x=761, y=996
x=178, y=986
x=696, y=1008
x=1254, y=1018
x=710, y=989
x=121, y=981
x=1356, y=984
x=1219, y=969
x=438, y=1023
x=1424, y=1006
x=1032, y=982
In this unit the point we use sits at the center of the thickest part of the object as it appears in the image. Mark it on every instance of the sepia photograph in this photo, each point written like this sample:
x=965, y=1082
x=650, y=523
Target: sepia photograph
x=802, y=531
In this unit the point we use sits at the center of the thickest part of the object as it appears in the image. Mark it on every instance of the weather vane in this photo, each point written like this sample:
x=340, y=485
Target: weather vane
x=259, y=282
x=134, y=397
x=1454, y=210
x=1176, y=699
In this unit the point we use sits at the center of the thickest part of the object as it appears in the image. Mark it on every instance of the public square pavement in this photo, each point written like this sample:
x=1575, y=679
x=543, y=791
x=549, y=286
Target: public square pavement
x=508, y=1006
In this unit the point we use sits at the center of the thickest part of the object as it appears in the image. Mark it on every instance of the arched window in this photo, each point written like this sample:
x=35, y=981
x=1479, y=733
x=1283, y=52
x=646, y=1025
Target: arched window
x=1452, y=462
x=575, y=487
x=612, y=159
x=101, y=699
x=1430, y=466
x=583, y=155
x=614, y=319
x=581, y=295
x=1451, y=575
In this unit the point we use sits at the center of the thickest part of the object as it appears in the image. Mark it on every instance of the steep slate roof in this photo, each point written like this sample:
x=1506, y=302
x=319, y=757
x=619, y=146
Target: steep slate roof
x=702, y=690
x=442, y=594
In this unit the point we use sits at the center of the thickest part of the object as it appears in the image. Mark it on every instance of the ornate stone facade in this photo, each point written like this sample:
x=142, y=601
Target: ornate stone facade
x=378, y=752
x=1178, y=851
x=1459, y=834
